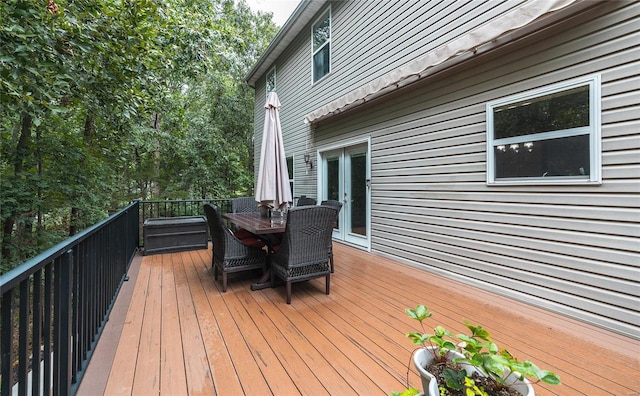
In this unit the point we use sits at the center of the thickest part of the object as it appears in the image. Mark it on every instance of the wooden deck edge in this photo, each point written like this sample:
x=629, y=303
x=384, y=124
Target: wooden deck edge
x=95, y=378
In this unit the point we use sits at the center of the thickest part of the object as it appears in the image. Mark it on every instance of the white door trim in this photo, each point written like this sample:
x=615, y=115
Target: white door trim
x=344, y=145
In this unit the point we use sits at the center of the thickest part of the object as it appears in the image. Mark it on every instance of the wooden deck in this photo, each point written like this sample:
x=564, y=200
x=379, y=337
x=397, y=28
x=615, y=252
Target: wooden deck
x=175, y=333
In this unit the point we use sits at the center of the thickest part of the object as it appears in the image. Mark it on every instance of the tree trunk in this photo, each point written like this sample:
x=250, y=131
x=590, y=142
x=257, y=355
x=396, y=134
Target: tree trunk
x=39, y=169
x=155, y=186
x=22, y=149
x=73, y=221
x=89, y=133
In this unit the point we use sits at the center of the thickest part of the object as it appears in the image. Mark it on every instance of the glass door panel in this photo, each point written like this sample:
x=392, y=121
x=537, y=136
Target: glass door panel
x=345, y=179
x=332, y=184
x=358, y=188
x=356, y=193
x=333, y=178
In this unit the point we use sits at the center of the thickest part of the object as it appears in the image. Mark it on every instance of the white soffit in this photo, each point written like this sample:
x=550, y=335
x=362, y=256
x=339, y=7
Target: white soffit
x=446, y=55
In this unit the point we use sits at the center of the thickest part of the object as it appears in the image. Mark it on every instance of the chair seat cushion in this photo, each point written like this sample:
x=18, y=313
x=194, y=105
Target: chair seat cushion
x=241, y=233
x=253, y=242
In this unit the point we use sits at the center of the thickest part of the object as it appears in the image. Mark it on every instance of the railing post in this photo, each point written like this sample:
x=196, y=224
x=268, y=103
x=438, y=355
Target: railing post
x=7, y=336
x=47, y=325
x=36, y=333
x=82, y=277
x=62, y=326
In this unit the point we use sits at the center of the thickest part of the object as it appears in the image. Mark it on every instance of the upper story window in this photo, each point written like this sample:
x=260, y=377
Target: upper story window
x=321, y=46
x=549, y=135
x=271, y=81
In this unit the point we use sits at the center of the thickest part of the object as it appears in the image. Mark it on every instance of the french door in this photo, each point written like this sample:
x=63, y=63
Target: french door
x=345, y=178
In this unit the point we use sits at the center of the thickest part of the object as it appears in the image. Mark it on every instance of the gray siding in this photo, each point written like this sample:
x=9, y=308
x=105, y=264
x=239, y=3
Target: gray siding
x=574, y=249
x=365, y=37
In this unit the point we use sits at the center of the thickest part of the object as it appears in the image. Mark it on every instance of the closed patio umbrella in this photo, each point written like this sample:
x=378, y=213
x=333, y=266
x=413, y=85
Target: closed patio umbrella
x=272, y=187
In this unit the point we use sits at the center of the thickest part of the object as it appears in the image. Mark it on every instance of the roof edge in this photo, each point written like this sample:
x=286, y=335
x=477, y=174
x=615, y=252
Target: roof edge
x=534, y=15
x=301, y=16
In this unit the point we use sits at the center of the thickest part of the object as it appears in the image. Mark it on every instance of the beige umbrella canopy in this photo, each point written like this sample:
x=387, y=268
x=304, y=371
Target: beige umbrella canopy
x=272, y=187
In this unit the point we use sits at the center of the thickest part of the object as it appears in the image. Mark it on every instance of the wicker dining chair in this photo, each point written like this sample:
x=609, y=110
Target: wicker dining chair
x=229, y=253
x=302, y=255
x=337, y=205
x=305, y=201
x=244, y=205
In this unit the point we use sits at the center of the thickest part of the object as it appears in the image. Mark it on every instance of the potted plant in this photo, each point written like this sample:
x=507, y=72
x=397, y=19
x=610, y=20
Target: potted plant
x=469, y=364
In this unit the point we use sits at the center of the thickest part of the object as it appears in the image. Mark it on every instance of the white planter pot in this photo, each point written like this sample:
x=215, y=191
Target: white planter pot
x=423, y=357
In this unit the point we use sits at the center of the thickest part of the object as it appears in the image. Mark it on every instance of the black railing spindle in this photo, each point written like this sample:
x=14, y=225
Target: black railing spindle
x=6, y=345
x=54, y=306
x=46, y=329
x=23, y=332
x=50, y=326
x=36, y=339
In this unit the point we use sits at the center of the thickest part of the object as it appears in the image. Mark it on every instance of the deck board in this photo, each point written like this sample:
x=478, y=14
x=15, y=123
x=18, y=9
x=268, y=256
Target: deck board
x=182, y=335
x=299, y=331
x=124, y=362
x=148, y=367
x=172, y=374
x=281, y=342
x=187, y=334
x=224, y=378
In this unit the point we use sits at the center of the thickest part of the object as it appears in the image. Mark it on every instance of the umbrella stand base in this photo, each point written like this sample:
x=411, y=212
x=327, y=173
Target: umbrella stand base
x=260, y=285
x=265, y=283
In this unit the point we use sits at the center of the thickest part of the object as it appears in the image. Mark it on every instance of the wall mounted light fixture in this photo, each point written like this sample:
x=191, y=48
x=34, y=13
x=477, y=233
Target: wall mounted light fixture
x=308, y=161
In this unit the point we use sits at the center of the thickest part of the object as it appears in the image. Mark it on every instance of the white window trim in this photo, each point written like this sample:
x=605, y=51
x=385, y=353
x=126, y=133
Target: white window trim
x=266, y=82
x=594, y=131
x=313, y=53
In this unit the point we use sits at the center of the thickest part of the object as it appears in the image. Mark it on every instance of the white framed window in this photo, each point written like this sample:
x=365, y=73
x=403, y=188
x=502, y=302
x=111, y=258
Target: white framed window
x=271, y=81
x=291, y=173
x=321, y=47
x=550, y=135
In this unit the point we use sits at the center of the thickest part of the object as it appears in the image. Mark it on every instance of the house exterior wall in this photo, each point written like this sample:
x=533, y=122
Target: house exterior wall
x=365, y=37
x=570, y=248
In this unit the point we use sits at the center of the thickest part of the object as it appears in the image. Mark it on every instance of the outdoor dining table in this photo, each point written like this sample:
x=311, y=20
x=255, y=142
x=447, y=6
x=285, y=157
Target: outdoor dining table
x=265, y=229
x=256, y=224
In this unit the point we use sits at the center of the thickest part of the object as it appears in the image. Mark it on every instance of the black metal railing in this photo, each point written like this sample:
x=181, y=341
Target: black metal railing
x=175, y=208
x=54, y=306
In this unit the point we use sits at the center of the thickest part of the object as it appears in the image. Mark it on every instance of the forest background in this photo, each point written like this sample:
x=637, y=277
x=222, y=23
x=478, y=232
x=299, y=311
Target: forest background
x=104, y=102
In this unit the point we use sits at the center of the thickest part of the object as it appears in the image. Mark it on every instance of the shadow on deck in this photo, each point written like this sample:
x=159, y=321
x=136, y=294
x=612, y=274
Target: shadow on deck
x=173, y=332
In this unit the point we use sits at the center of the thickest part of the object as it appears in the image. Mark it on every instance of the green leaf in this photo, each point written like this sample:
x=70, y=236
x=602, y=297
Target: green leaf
x=549, y=378
x=478, y=331
x=406, y=392
x=420, y=313
x=454, y=378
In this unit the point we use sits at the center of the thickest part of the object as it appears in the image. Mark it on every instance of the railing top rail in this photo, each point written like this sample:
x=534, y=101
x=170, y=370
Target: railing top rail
x=171, y=200
x=22, y=272
x=155, y=201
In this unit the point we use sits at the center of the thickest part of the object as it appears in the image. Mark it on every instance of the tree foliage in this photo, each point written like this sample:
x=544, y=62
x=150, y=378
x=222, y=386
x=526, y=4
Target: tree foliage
x=105, y=102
